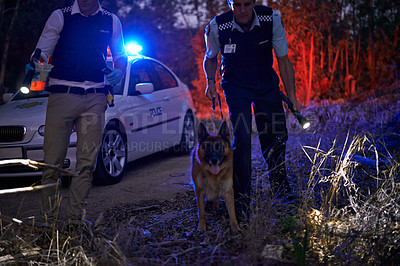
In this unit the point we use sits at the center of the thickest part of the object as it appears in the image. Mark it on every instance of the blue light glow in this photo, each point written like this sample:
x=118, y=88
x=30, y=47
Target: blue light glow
x=133, y=48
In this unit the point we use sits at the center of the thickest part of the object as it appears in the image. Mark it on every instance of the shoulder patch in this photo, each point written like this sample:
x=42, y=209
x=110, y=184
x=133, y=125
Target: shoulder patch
x=264, y=13
x=225, y=21
x=106, y=11
x=264, y=18
x=225, y=26
x=67, y=9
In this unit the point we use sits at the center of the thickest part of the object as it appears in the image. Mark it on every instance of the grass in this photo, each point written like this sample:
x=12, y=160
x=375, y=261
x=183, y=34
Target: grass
x=346, y=171
x=352, y=208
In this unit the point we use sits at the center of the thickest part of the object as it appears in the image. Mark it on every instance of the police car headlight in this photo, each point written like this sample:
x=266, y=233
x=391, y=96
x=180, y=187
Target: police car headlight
x=41, y=130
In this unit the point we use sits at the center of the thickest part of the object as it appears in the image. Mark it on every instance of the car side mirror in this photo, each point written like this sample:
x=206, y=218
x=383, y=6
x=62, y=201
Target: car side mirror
x=145, y=88
x=7, y=97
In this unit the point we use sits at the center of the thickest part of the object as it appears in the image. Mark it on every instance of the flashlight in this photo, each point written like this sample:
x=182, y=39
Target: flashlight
x=109, y=88
x=302, y=120
x=26, y=84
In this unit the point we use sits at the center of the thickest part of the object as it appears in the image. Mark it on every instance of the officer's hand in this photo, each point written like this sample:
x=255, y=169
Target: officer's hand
x=295, y=103
x=211, y=90
x=287, y=108
x=28, y=68
x=114, y=76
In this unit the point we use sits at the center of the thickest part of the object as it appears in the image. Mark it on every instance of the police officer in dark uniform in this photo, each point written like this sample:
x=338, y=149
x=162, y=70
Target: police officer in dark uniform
x=245, y=36
x=76, y=38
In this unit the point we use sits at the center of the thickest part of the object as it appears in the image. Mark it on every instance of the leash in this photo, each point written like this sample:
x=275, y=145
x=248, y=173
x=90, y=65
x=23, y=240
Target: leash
x=213, y=112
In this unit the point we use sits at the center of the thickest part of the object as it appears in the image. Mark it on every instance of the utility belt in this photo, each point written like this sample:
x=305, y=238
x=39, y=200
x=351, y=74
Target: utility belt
x=74, y=90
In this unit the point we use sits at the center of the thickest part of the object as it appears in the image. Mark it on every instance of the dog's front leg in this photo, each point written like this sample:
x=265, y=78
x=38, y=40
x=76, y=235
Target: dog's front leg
x=230, y=205
x=200, y=196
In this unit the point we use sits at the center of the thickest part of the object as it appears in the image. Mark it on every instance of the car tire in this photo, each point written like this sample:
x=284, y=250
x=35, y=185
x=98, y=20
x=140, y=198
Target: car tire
x=188, y=139
x=112, y=158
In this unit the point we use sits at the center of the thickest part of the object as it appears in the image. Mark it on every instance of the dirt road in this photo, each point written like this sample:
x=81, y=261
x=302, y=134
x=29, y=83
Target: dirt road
x=156, y=177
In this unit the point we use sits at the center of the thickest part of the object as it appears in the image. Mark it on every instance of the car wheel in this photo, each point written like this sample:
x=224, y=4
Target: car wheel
x=188, y=138
x=112, y=158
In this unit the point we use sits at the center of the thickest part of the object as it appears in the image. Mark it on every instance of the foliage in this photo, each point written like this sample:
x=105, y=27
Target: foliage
x=153, y=26
x=201, y=102
x=298, y=251
x=347, y=212
x=340, y=48
x=352, y=53
x=152, y=23
x=32, y=16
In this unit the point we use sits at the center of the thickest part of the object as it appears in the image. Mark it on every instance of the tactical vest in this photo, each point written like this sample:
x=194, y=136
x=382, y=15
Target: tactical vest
x=78, y=55
x=250, y=64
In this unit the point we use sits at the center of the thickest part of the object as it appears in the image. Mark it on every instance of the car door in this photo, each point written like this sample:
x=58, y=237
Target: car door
x=167, y=89
x=146, y=112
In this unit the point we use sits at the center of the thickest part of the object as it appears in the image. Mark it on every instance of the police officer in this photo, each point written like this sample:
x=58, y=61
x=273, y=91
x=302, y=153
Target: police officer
x=245, y=36
x=76, y=38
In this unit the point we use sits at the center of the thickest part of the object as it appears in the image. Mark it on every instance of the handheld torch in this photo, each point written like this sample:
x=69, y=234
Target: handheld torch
x=109, y=88
x=302, y=120
x=26, y=84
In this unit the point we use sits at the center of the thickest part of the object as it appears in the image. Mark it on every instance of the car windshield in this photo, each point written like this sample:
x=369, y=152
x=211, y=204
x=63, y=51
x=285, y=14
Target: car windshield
x=32, y=94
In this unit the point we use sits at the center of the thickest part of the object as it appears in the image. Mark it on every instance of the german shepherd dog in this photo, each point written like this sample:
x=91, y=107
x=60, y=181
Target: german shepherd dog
x=212, y=172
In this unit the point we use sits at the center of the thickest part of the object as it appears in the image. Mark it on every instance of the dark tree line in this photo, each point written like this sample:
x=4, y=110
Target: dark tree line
x=21, y=21
x=151, y=23
x=340, y=48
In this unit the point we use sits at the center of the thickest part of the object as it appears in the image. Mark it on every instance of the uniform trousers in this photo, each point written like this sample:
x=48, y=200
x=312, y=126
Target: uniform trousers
x=85, y=115
x=271, y=127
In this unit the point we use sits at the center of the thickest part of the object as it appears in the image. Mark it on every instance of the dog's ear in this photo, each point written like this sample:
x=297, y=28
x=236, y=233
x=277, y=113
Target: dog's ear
x=202, y=133
x=224, y=131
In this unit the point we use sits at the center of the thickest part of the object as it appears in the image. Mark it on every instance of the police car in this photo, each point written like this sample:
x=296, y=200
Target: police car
x=153, y=111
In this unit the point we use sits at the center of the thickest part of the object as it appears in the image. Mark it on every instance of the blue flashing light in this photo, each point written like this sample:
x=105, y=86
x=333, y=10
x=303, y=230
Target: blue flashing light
x=133, y=48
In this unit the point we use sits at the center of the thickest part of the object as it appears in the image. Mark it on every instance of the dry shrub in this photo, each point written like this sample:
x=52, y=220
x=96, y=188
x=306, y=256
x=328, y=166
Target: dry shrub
x=354, y=203
x=30, y=243
x=369, y=115
x=345, y=170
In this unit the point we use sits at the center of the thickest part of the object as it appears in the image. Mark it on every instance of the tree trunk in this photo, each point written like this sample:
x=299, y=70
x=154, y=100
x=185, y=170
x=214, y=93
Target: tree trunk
x=356, y=57
x=6, y=45
x=322, y=59
x=348, y=78
x=210, y=6
x=304, y=70
x=197, y=12
x=329, y=53
x=370, y=49
x=334, y=65
x=180, y=7
x=347, y=56
x=310, y=72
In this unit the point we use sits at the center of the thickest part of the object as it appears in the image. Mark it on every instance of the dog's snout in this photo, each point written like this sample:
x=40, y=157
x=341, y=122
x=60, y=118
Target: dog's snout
x=214, y=161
